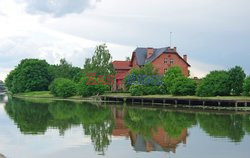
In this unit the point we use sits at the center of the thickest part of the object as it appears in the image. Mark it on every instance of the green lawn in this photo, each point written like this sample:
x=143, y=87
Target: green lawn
x=181, y=97
x=36, y=94
x=46, y=95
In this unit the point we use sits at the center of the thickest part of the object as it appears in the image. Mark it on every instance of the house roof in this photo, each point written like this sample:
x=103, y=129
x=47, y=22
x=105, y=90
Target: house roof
x=124, y=65
x=141, y=54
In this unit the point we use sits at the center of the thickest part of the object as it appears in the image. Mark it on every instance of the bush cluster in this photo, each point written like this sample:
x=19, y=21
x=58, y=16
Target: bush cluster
x=62, y=87
x=85, y=90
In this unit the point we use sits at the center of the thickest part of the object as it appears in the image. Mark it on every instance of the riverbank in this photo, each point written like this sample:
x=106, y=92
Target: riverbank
x=46, y=95
x=238, y=103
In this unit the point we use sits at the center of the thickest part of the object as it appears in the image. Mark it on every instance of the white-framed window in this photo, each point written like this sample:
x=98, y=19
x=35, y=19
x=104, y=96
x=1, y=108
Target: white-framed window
x=165, y=60
x=171, y=61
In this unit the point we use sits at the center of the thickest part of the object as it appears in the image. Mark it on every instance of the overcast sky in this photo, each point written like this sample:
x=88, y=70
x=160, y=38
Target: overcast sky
x=215, y=34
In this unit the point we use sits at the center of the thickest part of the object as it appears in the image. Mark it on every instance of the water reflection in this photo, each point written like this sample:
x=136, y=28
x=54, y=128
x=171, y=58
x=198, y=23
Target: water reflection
x=148, y=130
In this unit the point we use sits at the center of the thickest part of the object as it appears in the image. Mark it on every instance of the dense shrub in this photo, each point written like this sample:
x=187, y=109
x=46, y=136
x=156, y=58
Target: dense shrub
x=214, y=84
x=62, y=87
x=183, y=86
x=236, y=80
x=246, y=86
x=136, y=90
x=85, y=90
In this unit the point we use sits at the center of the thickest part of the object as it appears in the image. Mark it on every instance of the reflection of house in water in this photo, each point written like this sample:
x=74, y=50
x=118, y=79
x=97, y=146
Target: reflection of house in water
x=160, y=140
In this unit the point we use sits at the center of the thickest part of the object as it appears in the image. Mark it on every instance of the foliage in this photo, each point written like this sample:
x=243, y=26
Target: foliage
x=183, y=86
x=214, y=84
x=169, y=77
x=246, y=86
x=236, y=80
x=29, y=75
x=62, y=87
x=144, y=81
x=100, y=63
x=85, y=90
x=65, y=70
x=136, y=90
x=146, y=75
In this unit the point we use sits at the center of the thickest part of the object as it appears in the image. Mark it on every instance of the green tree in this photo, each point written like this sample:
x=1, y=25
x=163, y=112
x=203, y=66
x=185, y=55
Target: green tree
x=62, y=87
x=246, y=86
x=236, y=80
x=100, y=63
x=214, y=84
x=169, y=77
x=29, y=75
x=65, y=70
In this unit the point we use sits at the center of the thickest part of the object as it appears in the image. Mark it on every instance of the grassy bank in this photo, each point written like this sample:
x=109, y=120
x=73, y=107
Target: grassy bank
x=48, y=95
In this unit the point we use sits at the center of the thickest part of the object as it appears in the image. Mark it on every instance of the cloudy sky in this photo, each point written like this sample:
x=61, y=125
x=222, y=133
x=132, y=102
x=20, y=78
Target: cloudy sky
x=215, y=34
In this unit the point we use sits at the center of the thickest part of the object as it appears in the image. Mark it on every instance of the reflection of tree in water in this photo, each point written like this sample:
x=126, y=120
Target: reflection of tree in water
x=64, y=115
x=246, y=123
x=142, y=121
x=36, y=118
x=98, y=123
x=30, y=118
x=174, y=122
x=229, y=126
x=145, y=122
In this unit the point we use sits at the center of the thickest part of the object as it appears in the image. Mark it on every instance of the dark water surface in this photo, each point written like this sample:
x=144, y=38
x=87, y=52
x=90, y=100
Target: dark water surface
x=59, y=129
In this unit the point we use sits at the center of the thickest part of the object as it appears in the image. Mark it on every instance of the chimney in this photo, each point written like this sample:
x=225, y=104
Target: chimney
x=150, y=52
x=185, y=57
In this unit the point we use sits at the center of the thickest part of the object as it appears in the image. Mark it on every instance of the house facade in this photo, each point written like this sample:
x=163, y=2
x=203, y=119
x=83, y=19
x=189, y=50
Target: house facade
x=161, y=58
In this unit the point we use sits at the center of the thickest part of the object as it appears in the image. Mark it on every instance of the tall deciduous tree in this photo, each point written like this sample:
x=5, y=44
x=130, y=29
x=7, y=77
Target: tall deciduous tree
x=236, y=80
x=100, y=63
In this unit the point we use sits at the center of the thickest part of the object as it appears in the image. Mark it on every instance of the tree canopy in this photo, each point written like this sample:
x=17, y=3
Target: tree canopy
x=236, y=80
x=100, y=63
x=214, y=84
x=29, y=75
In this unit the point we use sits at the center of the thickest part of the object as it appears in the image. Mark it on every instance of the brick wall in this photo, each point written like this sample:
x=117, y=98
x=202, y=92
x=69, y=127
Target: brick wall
x=177, y=61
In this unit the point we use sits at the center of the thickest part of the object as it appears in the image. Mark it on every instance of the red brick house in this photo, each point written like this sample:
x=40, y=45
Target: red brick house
x=161, y=58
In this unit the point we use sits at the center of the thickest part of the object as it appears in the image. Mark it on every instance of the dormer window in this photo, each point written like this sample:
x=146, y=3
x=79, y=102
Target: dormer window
x=165, y=60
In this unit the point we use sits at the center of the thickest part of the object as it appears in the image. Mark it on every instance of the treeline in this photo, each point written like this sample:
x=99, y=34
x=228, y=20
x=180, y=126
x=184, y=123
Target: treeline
x=63, y=80
x=146, y=81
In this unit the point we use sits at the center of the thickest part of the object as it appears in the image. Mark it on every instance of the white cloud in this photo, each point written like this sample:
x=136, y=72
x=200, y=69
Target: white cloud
x=202, y=29
x=57, y=8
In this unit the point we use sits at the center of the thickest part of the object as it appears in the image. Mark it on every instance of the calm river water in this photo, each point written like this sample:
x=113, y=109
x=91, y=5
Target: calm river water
x=59, y=129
